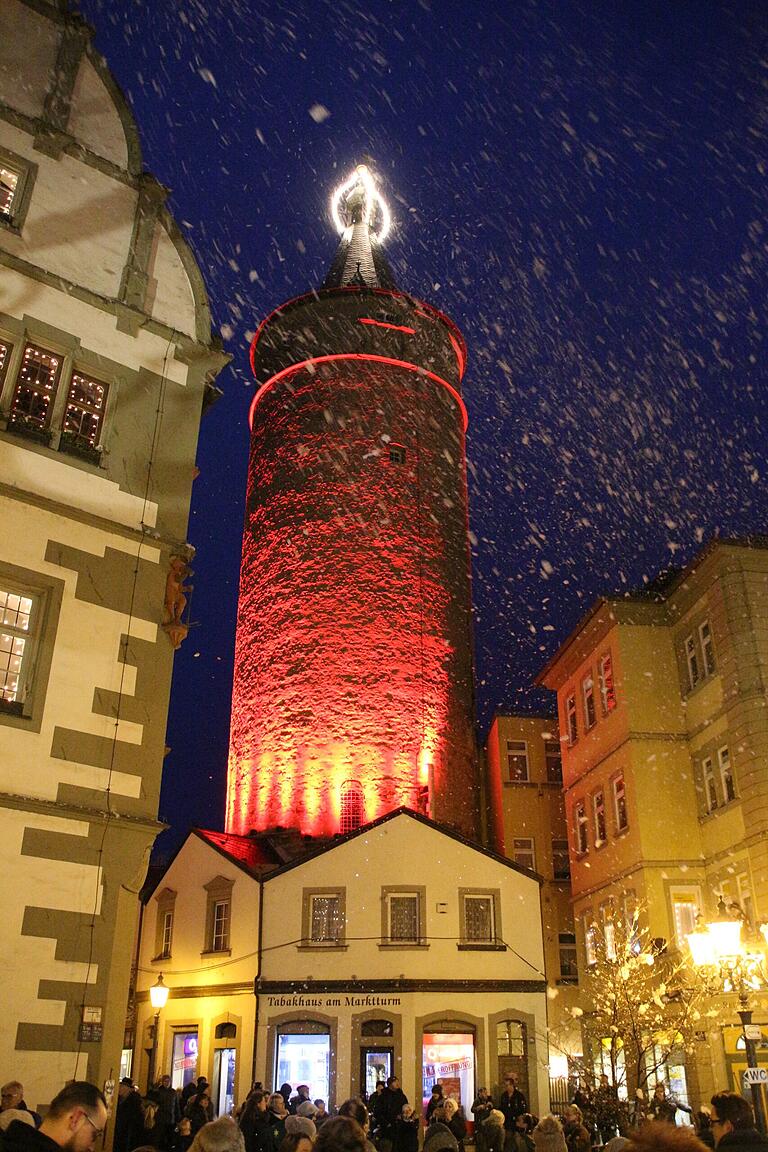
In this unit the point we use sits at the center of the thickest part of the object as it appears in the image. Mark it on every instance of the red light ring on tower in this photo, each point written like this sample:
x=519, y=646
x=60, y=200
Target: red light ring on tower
x=386, y=324
x=268, y=384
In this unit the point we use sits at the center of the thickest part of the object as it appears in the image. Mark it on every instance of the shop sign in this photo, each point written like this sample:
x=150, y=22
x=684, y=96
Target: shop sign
x=349, y=1000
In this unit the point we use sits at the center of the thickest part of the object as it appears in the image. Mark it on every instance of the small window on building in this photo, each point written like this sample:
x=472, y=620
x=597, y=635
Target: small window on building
x=580, y=828
x=511, y=1039
x=523, y=852
x=167, y=934
x=10, y=178
x=609, y=930
x=598, y=817
x=571, y=720
x=32, y=401
x=726, y=775
x=588, y=696
x=554, y=761
x=478, y=914
x=17, y=177
x=707, y=648
x=517, y=761
x=397, y=454
x=17, y=626
x=568, y=966
x=352, y=806
x=84, y=417
x=218, y=914
x=561, y=864
x=619, y=802
x=710, y=787
x=220, y=938
x=326, y=918
x=692, y=660
x=607, y=689
x=403, y=917
x=590, y=942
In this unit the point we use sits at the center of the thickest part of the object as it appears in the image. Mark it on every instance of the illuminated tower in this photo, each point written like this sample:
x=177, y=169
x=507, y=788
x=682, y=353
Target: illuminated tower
x=353, y=666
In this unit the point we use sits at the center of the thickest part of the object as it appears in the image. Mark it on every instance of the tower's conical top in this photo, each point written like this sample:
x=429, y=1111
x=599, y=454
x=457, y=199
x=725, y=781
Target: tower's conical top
x=363, y=219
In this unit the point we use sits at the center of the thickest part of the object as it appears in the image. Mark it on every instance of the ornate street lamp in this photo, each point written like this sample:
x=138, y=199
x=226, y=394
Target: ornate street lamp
x=716, y=947
x=158, y=995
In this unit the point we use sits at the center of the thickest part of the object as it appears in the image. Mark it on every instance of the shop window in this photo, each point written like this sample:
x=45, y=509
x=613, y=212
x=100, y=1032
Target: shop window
x=352, y=814
x=403, y=916
x=619, y=803
x=561, y=863
x=304, y=1057
x=517, y=761
x=567, y=948
x=598, y=817
x=323, y=915
x=523, y=852
x=726, y=775
x=480, y=919
x=218, y=915
x=571, y=720
x=35, y=391
x=554, y=761
x=450, y=1058
x=580, y=828
x=607, y=688
x=588, y=697
x=184, y=1058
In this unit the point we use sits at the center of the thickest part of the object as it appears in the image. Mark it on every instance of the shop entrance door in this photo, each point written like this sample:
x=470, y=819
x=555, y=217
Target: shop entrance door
x=184, y=1059
x=375, y=1064
x=450, y=1058
x=224, y=1080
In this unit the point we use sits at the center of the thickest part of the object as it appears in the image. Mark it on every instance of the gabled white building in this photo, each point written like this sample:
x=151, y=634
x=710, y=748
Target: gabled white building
x=398, y=948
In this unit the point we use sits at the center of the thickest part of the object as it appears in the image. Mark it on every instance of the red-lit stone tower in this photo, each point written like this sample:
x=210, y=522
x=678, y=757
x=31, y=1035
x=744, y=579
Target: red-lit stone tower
x=353, y=688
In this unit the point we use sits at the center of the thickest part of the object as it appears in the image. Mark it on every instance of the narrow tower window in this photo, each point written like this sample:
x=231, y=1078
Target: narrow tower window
x=396, y=454
x=352, y=806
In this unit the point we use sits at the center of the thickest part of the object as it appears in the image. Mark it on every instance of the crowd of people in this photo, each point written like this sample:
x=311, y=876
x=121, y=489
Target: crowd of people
x=287, y=1121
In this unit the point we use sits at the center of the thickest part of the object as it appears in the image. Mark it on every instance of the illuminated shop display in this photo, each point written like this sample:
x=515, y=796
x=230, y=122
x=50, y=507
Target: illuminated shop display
x=450, y=1058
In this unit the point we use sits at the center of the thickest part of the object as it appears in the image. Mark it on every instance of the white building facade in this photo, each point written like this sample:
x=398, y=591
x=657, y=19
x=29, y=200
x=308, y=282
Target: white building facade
x=106, y=359
x=399, y=949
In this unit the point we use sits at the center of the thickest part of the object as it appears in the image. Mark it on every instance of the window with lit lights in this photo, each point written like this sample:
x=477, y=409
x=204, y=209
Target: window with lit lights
x=84, y=417
x=18, y=616
x=686, y=902
x=30, y=604
x=17, y=177
x=480, y=912
x=403, y=917
x=323, y=918
x=34, y=394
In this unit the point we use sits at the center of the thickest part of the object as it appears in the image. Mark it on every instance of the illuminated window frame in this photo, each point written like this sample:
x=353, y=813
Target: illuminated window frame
x=166, y=906
x=21, y=422
x=580, y=828
x=726, y=774
x=606, y=683
x=72, y=442
x=469, y=938
x=311, y=937
x=218, y=916
x=46, y=593
x=571, y=719
x=619, y=797
x=390, y=896
x=707, y=646
x=685, y=902
x=709, y=785
x=524, y=852
x=588, y=701
x=517, y=764
x=26, y=174
x=599, y=824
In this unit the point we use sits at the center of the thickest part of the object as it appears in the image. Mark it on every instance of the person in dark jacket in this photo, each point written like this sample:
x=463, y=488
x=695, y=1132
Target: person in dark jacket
x=194, y=1088
x=522, y=1140
x=302, y=1097
x=168, y=1111
x=12, y=1096
x=663, y=1106
x=513, y=1104
x=255, y=1123
x=129, y=1118
x=493, y=1131
x=390, y=1107
x=733, y=1124
x=482, y=1106
x=199, y=1111
x=434, y=1101
x=438, y=1137
x=276, y=1114
x=576, y=1135
x=406, y=1134
x=607, y=1109
x=74, y=1122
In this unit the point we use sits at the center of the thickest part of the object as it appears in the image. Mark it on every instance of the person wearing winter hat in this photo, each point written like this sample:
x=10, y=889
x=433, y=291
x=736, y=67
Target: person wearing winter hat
x=222, y=1135
x=438, y=1136
x=548, y=1135
x=302, y=1125
x=307, y=1108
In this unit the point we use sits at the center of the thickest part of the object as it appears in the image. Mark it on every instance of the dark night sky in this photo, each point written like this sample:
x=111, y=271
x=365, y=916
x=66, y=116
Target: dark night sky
x=580, y=185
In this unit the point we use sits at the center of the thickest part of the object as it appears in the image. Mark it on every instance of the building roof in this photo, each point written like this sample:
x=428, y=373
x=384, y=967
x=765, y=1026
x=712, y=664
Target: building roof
x=251, y=854
x=657, y=591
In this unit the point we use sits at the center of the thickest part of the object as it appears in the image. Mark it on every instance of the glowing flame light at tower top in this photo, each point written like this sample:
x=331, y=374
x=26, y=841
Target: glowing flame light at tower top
x=353, y=689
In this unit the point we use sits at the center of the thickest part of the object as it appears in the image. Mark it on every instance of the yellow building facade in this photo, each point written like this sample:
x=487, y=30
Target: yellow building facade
x=527, y=822
x=662, y=714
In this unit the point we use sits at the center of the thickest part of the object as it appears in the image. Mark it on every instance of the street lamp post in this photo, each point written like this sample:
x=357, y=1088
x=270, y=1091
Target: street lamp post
x=158, y=995
x=717, y=946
